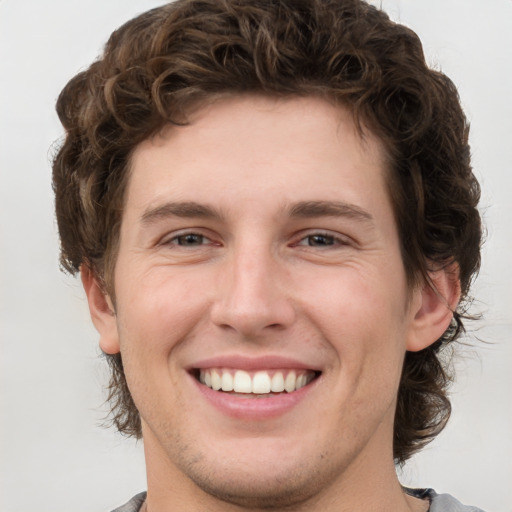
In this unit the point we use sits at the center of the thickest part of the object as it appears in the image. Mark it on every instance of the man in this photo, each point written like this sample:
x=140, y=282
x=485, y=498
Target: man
x=273, y=213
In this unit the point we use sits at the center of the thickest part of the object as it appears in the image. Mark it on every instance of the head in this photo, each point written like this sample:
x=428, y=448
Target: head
x=162, y=68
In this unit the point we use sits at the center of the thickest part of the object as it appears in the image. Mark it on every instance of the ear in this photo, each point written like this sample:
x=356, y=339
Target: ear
x=101, y=310
x=437, y=299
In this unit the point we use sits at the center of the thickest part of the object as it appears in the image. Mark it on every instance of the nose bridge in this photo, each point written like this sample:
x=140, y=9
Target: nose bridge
x=252, y=296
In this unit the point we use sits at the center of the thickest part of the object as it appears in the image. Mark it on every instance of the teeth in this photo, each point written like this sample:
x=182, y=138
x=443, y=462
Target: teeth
x=290, y=381
x=242, y=382
x=259, y=383
x=301, y=382
x=216, y=380
x=227, y=381
x=277, y=384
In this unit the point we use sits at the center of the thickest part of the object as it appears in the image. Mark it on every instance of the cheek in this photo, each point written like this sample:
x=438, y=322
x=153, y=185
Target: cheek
x=163, y=299
x=361, y=316
x=157, y=313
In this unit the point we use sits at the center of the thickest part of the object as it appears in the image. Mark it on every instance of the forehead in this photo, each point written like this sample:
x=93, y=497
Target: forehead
x=294, y=145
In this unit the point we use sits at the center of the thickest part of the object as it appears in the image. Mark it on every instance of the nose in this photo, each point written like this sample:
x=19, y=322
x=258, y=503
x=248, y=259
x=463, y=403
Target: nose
x=253, y=296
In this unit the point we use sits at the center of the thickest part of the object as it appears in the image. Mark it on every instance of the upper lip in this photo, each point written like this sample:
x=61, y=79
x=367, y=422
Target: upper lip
x=240, y=362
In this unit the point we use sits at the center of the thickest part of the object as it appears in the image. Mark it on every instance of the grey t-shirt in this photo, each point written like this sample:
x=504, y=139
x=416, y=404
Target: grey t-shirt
x=438, y=502
x=133, y=505
x=441, y=502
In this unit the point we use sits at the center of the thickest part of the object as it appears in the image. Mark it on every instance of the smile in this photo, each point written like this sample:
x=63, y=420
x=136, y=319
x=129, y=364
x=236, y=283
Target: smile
x=261, y=382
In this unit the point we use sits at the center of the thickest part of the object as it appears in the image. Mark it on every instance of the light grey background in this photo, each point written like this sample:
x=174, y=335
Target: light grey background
x=53, y=455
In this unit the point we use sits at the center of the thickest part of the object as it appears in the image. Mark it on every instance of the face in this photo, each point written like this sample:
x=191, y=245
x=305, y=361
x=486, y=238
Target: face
x=262, y=309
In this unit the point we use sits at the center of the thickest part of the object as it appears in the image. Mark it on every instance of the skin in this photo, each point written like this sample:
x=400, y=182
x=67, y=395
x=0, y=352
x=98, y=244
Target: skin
x=255, y=279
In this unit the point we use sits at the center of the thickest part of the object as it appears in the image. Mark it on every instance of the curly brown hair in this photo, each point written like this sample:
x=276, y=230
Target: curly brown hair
x=160, y=64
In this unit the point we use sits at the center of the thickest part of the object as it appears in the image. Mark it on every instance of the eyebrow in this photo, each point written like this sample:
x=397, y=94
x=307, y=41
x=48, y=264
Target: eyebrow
x=187, y=209
x=302, y=209
x=307, y=209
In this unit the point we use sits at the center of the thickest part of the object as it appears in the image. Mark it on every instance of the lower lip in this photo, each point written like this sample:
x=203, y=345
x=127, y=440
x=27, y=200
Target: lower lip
x=254, y=408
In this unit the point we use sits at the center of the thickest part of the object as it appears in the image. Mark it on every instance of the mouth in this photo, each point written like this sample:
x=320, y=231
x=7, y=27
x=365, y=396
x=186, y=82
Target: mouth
x=255, y=384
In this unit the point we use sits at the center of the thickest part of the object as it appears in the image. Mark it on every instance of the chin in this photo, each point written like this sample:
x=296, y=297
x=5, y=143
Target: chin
x=266, y=477
x=259, y=489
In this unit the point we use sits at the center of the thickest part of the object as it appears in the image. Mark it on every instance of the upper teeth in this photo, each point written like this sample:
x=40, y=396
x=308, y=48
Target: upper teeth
x=259, y=382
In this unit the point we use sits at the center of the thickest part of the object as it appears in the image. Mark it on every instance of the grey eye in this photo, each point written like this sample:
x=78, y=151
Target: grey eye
x=189, y=240
x=320, y=240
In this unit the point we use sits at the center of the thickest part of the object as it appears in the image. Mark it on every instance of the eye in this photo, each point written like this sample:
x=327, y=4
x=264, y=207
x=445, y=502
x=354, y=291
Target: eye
x=318, y=240
x=189, y=239
x=321, y=240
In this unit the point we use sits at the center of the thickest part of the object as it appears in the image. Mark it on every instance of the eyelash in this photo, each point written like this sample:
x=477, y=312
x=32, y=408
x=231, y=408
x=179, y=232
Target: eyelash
x=331, y=239
x=175, y=240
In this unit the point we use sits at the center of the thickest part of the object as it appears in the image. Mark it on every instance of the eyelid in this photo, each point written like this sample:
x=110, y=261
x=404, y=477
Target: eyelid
x=169, y=238
x=338, y=238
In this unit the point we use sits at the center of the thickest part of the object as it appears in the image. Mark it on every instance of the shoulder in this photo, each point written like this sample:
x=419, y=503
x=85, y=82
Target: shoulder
x=447, y=503
x=441, y=502
x=133, y=505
